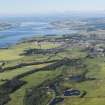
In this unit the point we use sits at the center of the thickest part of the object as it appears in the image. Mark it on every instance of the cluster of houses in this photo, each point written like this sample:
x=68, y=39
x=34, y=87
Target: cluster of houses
x=95, y=51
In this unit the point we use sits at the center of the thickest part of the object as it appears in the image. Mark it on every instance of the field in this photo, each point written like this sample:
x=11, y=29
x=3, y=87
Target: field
x=39, y=71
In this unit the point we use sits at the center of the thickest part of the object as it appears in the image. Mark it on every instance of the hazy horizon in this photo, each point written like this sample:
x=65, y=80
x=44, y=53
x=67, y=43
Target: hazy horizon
x=31, y=7
x=58, y=14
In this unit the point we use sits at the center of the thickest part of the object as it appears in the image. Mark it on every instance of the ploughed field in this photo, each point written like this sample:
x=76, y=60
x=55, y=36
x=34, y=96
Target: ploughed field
x=51, y=71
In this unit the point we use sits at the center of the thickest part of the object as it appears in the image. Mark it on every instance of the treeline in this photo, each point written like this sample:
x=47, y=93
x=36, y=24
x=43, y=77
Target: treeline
x=38, y=95
x=44, y=51
x=9, y=87
x=25, y=64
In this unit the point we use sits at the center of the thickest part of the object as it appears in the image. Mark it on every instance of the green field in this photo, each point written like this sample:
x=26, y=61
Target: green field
x=95, y=66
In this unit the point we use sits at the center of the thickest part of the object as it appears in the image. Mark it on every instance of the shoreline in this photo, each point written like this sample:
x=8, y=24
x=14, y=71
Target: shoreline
x=26, y=39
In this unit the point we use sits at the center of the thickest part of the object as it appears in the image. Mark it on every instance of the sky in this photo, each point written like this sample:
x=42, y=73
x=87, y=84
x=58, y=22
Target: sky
x=16, y=7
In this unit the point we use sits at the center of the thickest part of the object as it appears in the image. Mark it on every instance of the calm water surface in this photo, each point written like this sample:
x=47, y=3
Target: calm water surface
x=28, y=27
